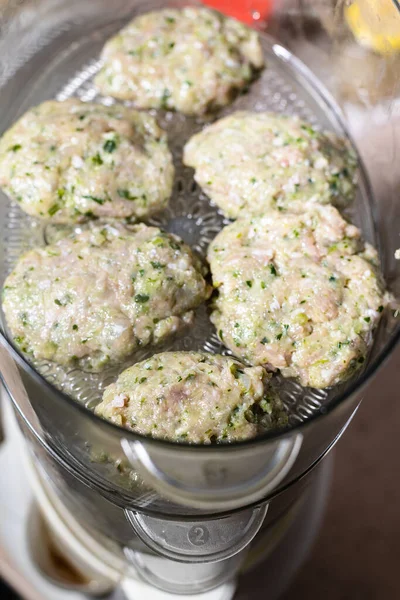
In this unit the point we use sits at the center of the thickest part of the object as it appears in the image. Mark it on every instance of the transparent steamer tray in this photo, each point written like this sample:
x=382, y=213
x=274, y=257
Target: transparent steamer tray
x=285, y=86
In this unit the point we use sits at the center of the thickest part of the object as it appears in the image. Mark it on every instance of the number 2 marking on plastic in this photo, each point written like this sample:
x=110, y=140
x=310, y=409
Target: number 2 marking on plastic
x=198, y=536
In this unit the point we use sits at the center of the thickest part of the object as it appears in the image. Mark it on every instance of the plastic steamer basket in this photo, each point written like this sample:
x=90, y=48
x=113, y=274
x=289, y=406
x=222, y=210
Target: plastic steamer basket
x=197, y=505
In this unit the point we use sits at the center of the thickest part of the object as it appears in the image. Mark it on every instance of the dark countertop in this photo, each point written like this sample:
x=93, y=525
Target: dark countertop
x=6, y=593
x=356, y=554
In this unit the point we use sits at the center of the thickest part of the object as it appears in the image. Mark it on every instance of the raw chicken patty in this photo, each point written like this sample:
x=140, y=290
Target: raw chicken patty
x=193, y=397
x=95, y=297
x=248, y=162
x=190, y=60
x=69, y=161
x=299, y=293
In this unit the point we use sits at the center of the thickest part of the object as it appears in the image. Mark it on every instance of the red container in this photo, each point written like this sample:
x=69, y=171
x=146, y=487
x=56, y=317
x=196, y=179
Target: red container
x=252, y=12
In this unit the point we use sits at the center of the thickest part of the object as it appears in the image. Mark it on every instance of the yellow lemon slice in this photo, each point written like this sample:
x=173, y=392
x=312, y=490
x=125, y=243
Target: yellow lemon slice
x=375, y=24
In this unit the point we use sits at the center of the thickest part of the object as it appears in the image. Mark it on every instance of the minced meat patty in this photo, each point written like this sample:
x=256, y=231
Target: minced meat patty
x=189, y=59
x=299, y=293
x=248, y=162
x=93, y=298
x=73, y=160
x=193, y=397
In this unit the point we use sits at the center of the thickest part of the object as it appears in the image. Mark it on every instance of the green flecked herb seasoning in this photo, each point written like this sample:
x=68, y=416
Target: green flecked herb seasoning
x=109, y=146
x=95, y=199
x=122, y=193
x=53, y=209
x=164, y=98
x=142, y=298
x=97, y=160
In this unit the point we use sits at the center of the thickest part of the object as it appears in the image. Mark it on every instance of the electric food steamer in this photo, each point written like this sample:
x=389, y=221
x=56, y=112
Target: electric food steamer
x=182, y=517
